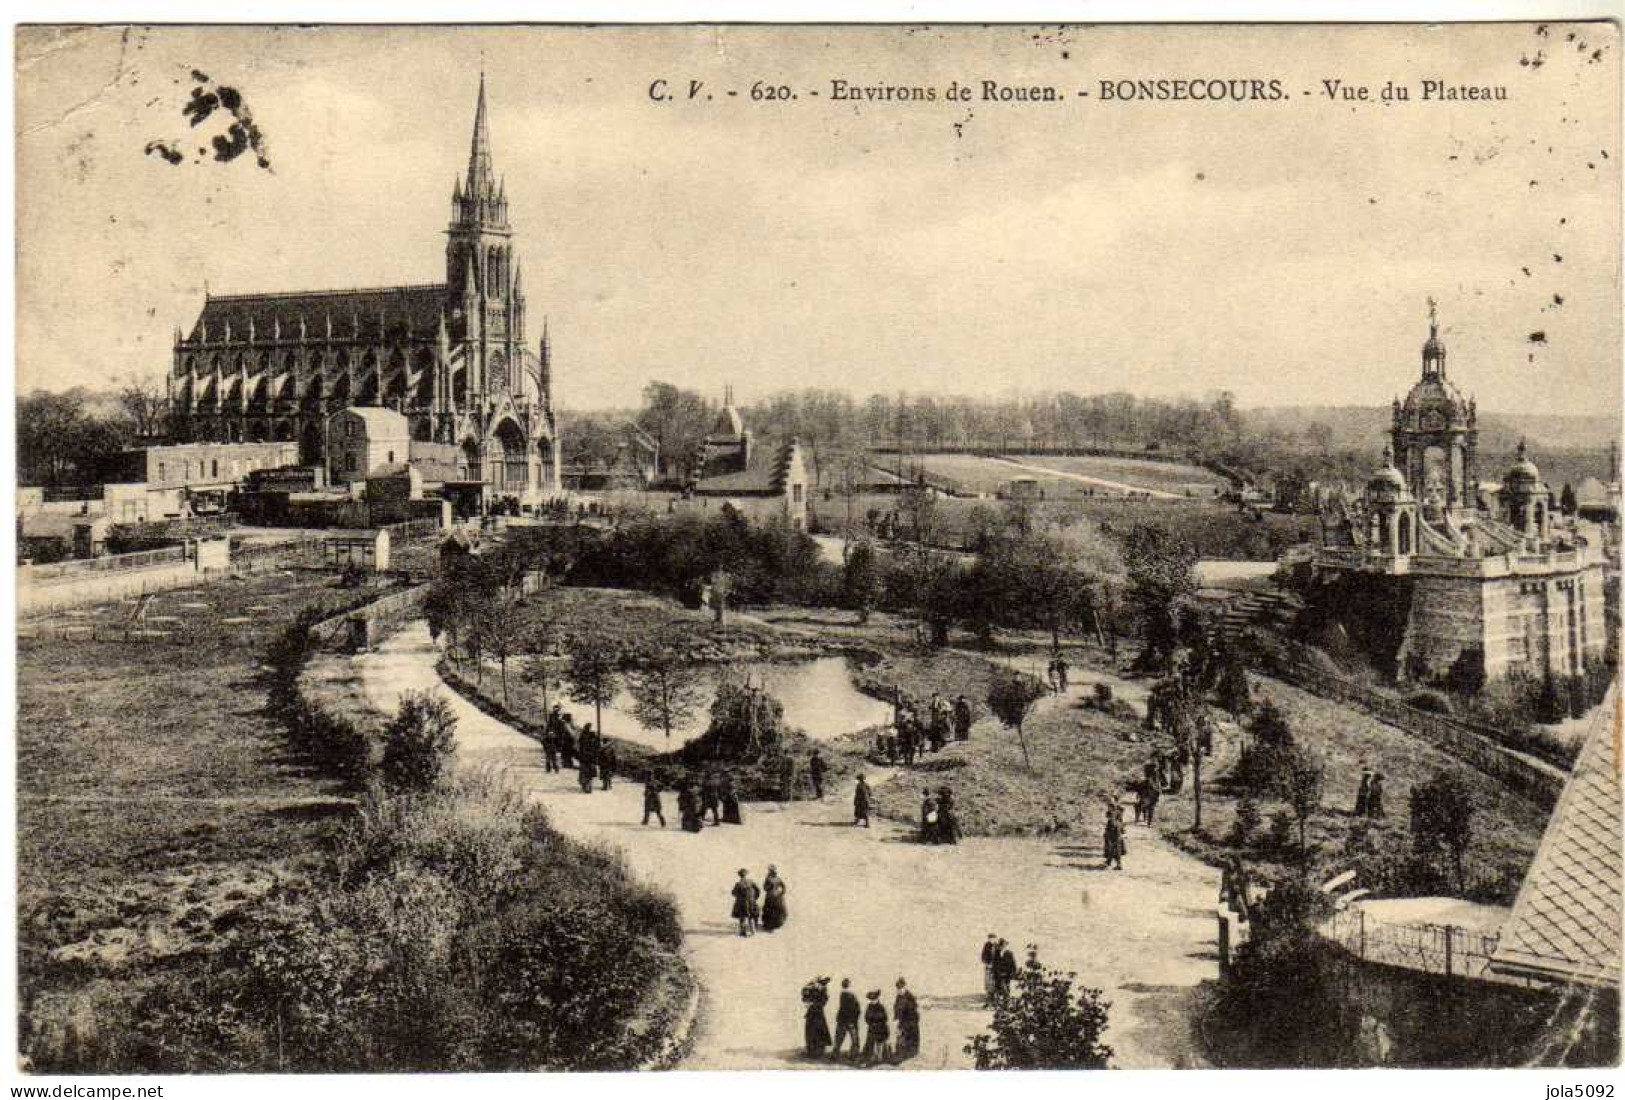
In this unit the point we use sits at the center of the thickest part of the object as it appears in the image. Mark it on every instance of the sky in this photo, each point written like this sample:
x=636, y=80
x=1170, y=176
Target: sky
x=1282, y=250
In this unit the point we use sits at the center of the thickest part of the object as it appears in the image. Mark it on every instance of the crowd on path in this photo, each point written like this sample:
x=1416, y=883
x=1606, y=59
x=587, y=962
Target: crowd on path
x=921, y=726
x=876, y=1025
x=581, y=749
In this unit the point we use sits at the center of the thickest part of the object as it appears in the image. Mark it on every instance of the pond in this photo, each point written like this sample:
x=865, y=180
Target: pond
x=819, y=698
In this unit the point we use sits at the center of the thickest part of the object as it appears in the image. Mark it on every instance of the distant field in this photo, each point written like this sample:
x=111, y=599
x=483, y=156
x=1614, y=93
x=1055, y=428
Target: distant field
x=1113, y=476
x=1172, y=477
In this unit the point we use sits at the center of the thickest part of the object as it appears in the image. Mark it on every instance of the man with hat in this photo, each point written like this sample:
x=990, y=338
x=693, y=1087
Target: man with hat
x=906, y=1011
x=847, y=1015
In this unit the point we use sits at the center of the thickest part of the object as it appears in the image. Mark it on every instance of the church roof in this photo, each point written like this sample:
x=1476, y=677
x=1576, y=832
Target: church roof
x=1565, y=924
x=406, y=310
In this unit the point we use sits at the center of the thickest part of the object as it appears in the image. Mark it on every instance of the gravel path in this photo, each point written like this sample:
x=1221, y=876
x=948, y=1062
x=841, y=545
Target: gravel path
x=871, y=905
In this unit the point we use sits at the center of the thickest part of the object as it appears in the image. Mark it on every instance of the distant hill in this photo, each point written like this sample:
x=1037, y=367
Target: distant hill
x=1358, y=427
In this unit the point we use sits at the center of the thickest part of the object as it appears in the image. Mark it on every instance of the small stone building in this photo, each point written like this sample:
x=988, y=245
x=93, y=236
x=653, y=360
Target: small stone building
x=362, y=439
x=764, y=492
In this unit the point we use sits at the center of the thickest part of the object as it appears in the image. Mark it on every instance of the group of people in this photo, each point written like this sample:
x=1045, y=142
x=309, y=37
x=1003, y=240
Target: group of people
x=714, y=794
x=998, y=968
x=1057, y=673
x=876, y=1024
x=1164, y=773
x=759, y=908
x=918, y=726
x=938, y=823
x=586, y=750
x=1368, y=802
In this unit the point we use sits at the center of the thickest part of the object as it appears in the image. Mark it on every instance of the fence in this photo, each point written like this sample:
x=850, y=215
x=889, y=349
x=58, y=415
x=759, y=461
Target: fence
x=1536, y=779
x=109, y=563
x=413, y=529
x=255, y=557
x=360, y=627
x=1442, y=949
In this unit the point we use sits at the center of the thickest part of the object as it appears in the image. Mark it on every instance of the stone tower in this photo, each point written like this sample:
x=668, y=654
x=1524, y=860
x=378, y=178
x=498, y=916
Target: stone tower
x=483, y=281
x=1435, y=437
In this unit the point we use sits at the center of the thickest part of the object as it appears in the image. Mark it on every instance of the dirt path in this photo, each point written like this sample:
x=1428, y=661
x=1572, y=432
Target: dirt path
x=871, y=905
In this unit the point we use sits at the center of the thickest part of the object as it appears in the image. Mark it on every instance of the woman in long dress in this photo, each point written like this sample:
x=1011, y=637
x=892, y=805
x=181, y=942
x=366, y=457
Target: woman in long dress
x=731, y=814
x=815, y=995
x=774, y=910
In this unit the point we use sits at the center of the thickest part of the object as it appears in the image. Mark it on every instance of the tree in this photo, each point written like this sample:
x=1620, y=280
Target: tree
x=860, y=578
x=1302, y=782
x=1233, y=692
x=1442, y=819
x=1011, y=697
x=665, y=691
x=419, y=743
x=500, y=631
x=1045, y=1023
x=1161, y=577
x=1175, y=707
x=679, y=420
x=594, y=675
x=540, y=648
x=60, y=442
x=144, y=406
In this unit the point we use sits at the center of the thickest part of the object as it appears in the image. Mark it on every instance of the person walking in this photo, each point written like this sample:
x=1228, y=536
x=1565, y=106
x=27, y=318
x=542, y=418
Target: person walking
x=651, y=800
x=550, y=740
x=1113, y=845
x=1061, y=671
x=815, y=995
x=731, y=814
x=860, y=803
x=815, y=770
x=906, y=1011
x=1362, y=798
x=567, y=741
x=607, y=762
x=990, y=958
x=1152, y=797
x=744, y=895
x=711, y=797
x=962, y=719
x=877, y=1034
x=774, y=910
x=585, y=772
x=1004, y=971
x=847, y=1015
x=947, y=820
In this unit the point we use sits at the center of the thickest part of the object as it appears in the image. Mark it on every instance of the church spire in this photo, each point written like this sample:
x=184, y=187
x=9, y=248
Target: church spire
x=480, y=177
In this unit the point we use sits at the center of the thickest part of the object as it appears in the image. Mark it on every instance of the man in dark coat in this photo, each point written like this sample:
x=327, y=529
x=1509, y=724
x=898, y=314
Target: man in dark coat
x=860, y=803
x=815, y=769
x=606, y=764
x=586, y=770
x=1362, y=800
x=651, y=801
x=550, y=740
x=745, y=893
x=815, y=995
x=847, y=1014
x=711, y=797
x=906, y=1011
x=947, y=831
x=567, y=741
x=990, y=958
x=962, y=719
x=1004, y=970
x=908, y=741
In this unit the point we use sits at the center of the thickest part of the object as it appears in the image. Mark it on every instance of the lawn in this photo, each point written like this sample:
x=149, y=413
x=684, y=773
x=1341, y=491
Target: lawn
x=1143, y=473
x=155, y=799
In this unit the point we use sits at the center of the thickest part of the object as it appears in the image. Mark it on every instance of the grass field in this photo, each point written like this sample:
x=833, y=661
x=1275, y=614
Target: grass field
x=154, y=796
x=1144, y=473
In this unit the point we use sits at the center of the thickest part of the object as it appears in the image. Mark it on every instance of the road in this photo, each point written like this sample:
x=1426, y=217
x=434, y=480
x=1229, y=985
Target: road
x=1120, y=486
x=871, y=905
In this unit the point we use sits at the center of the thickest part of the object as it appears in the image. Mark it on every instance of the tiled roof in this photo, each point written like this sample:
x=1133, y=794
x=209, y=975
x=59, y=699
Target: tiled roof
x=1565, y=925
x=755, y=479
x=406, y=310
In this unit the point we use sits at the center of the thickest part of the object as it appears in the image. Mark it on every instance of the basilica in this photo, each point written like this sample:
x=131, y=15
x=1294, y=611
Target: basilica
x=451, y=357
x=1495, y=577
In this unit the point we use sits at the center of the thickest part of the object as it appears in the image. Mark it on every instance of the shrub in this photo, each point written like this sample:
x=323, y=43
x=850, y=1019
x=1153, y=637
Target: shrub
x=1280, y=837
x=1442, y=820
x=1246, y=823
x=419, y=743
x=1045, y=1023
x=1102, y=695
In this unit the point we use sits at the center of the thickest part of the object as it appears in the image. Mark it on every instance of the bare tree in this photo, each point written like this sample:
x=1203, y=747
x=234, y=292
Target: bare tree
x=666, y=692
